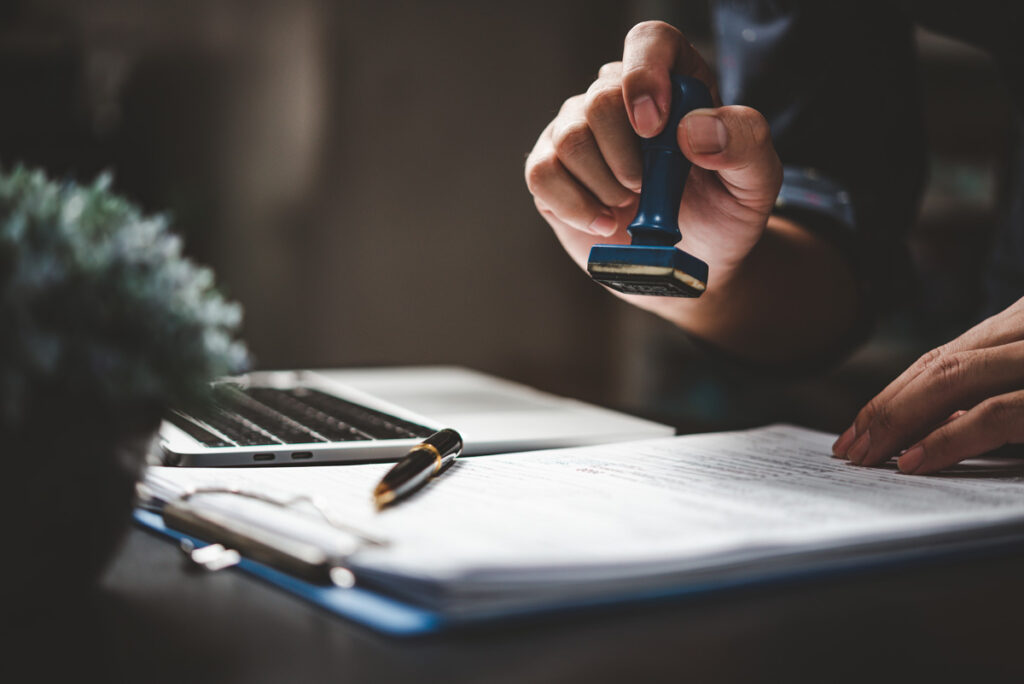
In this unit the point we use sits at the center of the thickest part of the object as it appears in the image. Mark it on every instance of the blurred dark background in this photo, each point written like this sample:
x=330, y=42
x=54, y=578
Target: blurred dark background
x=353, y=172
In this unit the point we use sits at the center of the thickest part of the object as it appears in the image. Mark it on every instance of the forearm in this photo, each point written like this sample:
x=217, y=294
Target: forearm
x=792, y=297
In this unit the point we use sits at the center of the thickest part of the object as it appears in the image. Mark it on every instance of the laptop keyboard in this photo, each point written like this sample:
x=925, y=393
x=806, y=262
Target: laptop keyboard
x=265, y=416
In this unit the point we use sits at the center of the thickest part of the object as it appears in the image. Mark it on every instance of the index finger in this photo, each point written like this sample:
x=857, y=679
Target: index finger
x=959, y=381
x=1002, y=328
x=652, y=51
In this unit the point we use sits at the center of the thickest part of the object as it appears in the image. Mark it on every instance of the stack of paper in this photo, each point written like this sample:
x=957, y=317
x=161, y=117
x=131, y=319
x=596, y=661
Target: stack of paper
x=530, y=529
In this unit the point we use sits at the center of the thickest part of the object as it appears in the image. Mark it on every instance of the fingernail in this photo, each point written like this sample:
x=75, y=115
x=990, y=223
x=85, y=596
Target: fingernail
x=860, y=448
x=706, y=133
x=604, y=225
x=844, y=441
x=646, y=116
x=911, y=460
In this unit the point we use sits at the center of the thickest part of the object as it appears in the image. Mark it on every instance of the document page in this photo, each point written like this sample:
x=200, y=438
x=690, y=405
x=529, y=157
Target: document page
x=665, y=505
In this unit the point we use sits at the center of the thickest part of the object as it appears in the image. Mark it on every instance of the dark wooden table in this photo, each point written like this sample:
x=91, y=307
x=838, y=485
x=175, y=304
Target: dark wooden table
x=153, y=621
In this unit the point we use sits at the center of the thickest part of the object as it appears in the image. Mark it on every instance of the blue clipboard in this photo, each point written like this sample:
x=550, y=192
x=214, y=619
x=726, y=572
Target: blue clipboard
x=379, y=612
x=395, y=617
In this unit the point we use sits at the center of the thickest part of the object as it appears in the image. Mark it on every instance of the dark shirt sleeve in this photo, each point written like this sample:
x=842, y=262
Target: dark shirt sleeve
x=837, y=82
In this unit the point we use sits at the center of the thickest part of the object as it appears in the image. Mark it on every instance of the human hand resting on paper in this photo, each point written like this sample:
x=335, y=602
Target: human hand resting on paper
x=585, y=170
x=956, y=402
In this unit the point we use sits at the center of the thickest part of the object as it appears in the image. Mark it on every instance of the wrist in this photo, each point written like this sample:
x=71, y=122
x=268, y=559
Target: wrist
x=790, y=281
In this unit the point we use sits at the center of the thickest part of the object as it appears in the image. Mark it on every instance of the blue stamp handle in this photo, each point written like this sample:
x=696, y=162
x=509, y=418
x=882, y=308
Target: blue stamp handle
x=665, y=169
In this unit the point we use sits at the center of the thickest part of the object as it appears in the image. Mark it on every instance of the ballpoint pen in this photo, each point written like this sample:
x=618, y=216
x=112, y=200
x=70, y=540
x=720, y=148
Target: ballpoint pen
x=426, y=460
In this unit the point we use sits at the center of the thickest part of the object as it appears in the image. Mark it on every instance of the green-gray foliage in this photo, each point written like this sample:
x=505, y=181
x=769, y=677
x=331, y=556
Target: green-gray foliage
x=98, y=303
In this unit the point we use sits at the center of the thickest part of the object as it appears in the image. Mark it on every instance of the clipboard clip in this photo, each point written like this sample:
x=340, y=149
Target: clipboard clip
x=211, y=557
x=234, y=534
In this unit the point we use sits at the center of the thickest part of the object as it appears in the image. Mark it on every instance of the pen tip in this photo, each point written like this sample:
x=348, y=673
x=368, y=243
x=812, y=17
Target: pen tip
x=382, y=496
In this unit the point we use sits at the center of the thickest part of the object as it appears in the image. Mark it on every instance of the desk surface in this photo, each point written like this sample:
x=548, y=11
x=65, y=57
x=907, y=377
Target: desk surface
x=154, y=621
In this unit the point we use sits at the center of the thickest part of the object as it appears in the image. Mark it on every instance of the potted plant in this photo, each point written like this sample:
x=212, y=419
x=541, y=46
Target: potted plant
x=103, y=323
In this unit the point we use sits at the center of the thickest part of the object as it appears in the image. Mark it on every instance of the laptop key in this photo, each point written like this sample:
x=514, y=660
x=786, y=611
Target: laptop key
x=378, y=424
x=283, y=427
x=266, y=416
x=196, y=430
x=240, y=431
x=327, y=425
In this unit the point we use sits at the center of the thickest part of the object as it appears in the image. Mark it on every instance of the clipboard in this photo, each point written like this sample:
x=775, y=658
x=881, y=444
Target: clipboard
x=394, y=617
x=374, y=610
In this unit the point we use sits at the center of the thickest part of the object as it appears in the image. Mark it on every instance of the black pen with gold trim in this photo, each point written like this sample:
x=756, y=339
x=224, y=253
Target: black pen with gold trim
x=425, y=461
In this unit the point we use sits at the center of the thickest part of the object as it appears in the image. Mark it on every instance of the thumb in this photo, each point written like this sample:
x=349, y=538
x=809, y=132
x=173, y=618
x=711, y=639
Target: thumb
x=736, y=142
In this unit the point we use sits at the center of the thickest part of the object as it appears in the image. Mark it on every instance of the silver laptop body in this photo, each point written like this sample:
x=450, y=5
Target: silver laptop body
x=378, y=414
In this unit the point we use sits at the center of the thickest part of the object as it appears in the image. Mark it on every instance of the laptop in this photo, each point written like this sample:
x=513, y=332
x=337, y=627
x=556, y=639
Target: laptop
x=377, y=414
